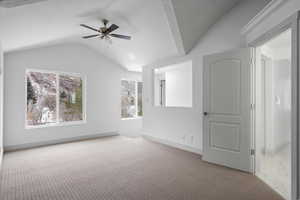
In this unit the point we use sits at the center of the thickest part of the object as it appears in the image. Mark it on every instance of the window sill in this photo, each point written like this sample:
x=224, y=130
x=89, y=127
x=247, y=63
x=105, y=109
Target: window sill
x=183, y=107
x=56, y=125
x=131, y=118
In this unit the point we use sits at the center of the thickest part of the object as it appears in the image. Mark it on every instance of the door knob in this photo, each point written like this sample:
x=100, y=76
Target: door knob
x=205, y=113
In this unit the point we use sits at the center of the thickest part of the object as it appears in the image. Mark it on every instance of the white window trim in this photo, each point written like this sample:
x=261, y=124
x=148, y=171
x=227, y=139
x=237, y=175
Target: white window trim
x=132, y=118
x=58, y=123
x=136, y=100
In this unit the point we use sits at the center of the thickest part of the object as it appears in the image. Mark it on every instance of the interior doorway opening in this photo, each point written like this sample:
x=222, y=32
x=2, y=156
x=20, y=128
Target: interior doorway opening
x=273, y=123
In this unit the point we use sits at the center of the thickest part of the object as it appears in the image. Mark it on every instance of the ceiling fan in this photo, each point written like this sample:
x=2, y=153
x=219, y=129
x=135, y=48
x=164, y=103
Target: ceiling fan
x=105, y=32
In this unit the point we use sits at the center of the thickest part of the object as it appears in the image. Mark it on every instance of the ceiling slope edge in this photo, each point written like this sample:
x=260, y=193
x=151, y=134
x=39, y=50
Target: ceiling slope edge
x=173, y=24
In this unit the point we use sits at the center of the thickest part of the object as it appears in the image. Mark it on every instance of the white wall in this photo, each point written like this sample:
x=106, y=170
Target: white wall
x=278, y=96
x=179, y=85
x=282, y=103
x=183, y=126
x=102, y=88
x=131, y=127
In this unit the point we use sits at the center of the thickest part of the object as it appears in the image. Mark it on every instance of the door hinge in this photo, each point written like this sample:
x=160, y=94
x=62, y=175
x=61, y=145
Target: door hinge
x=252, y=106
x=252, y=152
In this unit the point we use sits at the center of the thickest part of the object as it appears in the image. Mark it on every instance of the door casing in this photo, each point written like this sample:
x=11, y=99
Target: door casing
x=293, y=24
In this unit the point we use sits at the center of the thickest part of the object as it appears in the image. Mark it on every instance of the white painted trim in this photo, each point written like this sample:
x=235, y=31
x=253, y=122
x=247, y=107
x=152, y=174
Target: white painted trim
x=295, y=104
x=136, y=99
x=131, y=118
x=171, y=143
x=266, y=11
x=173, y=24
x=58, y=123
x=2, y=71
x=252, y=110
x=292, y=23
x=57, y=141
x=129, y=79
x=1, y=158
x=174, y=107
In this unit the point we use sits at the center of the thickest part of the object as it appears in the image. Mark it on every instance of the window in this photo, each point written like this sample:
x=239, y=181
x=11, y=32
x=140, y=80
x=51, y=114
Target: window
x=53, y=98
x=70, y=98
x=131, y=99
x=173, y=85
x=140, y=98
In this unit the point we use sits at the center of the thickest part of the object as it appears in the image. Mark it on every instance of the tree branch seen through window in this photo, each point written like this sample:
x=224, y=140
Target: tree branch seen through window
x=53, y=98
x=131, y=99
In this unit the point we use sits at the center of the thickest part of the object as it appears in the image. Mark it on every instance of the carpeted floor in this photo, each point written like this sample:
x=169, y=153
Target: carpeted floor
x=120, y=168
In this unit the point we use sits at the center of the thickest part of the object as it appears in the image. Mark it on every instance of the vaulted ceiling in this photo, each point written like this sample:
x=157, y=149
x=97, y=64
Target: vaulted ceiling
x=194, y=17
x=159, y=28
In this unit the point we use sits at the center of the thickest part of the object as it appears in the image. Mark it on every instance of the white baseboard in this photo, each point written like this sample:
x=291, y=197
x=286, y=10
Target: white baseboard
x=58, y=141
x=173, y=144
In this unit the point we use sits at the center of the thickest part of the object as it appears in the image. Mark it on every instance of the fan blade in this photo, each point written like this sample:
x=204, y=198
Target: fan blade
x=90, y=36
x=111, y=29
x=86, y=26
x=121, y=36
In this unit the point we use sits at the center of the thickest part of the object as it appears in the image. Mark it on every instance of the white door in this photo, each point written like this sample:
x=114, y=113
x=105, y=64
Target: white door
x=227, y=104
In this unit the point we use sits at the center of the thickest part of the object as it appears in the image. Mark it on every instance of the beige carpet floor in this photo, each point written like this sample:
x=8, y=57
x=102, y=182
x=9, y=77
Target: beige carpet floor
x=120, y=168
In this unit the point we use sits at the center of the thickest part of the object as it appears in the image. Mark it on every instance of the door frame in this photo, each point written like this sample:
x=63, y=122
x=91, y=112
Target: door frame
x=290, y=23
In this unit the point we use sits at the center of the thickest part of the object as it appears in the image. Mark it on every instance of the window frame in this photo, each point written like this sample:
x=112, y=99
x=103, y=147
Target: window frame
x=57, y=123
x=136, y=98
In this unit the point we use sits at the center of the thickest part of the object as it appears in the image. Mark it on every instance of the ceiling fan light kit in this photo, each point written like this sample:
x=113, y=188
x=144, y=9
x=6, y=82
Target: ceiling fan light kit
x=105, y=32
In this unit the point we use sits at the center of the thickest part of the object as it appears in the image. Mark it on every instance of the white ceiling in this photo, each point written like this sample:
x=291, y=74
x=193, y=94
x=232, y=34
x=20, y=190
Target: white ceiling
x=57, y=20
x=146, y=21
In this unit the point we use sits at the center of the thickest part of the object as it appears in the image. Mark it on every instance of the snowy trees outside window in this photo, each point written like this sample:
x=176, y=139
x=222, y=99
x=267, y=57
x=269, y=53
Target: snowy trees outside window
x=53, y=98
x=70, y=98
x=131, y=99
